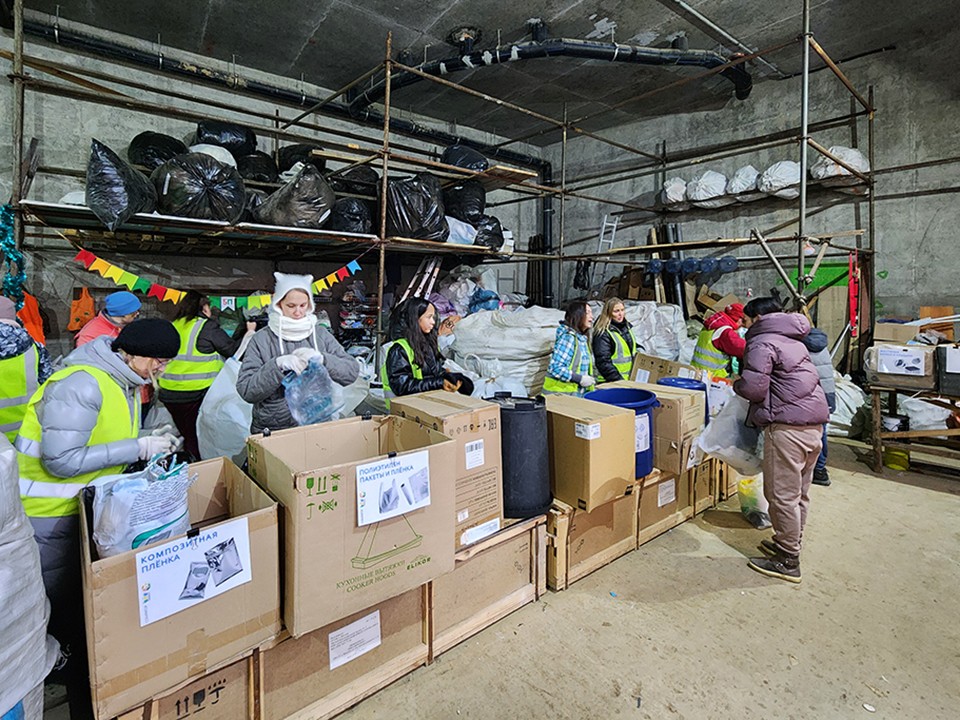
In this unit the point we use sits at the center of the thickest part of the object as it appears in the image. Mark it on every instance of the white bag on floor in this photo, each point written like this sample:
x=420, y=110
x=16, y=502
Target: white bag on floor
x=728, y=438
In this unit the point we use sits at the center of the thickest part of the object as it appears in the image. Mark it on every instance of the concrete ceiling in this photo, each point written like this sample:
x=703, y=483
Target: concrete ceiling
x=331, y=42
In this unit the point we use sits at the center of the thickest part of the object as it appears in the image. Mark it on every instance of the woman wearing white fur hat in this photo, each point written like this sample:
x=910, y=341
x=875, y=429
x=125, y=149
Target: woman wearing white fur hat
x=288, y=343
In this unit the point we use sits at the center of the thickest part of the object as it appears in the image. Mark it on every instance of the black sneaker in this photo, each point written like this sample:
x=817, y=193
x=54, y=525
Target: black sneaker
x=783, y=567
x=820, y=477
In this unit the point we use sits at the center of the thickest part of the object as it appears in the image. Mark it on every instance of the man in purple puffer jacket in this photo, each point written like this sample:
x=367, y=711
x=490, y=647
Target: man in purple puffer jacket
x=786, y=400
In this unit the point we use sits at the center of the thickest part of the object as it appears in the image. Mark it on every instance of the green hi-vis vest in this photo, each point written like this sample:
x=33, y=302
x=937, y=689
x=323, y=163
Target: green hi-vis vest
x=20, y=381
x=190, y=369
x=623, y=359
x=385, y=379
x=707, y=357
x=552, y=385
x=46, y=495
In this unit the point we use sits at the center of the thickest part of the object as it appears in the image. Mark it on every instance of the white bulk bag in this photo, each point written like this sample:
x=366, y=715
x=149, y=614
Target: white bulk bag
x=743, y=184
x=833, y=173
x=674, y=194
x=707, y=190
x=781, y=179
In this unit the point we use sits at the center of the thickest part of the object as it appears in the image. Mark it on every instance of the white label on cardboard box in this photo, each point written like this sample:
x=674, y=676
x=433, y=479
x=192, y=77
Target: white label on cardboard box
x=642, y=376
x=474, y=454
x=641, y=433
x=463, y=515
x=182, y=573
x=479, y=532
x=953, y=359
x=686, y=373
x=693, y=457
x=896, y=360
x=391, y=487
x=587, y=432
x=353, y=640
x=666, y=493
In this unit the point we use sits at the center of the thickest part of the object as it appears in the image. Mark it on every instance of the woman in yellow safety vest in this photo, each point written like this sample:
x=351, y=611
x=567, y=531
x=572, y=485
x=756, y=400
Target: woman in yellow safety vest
x=82, y=424
x=24, y=366
x=571, y=364
x=203, y=348
x=413, y=363
x=614, y=343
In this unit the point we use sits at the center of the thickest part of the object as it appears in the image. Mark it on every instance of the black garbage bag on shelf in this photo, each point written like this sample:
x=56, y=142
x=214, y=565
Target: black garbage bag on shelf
x=350, y=215
x=415, y=208
x=152, y=149
x=465, y=201
x=258, y=167
x=115, y=190
x=304, y=202
x=360, y=180
x=489, y=233
x=254, y=199
x=290, y=155
x=239, y=140
x=198, y=186
x=465, y=157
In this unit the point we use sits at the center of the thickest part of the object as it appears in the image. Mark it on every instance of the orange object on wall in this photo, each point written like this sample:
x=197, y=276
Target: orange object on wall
x=30, y=317
x=81, y=311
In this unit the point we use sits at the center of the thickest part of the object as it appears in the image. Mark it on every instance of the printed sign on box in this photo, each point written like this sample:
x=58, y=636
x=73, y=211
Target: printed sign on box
x=391, y=487
x=179, y=574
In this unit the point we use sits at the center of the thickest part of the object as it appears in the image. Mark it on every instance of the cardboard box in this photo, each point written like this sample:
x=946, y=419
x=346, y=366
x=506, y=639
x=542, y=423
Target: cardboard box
x=901, y=366
x=664, y=503
x=131, y=663
x=592, y=458
x=681, y=413
x=474, y=425
x=703, y=481
x=326, y=671
x=948, y=369
x=649, y=369
x=711, y=302
x=894, y=333
x=336, y=565
x=582, y=542
x=490, y=580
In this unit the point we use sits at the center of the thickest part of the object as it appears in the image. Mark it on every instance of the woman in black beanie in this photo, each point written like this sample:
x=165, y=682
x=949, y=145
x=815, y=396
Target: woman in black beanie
x=82, y=424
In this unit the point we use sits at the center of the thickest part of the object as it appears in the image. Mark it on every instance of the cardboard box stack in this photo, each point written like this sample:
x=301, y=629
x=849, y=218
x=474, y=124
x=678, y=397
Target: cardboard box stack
x=649, y=369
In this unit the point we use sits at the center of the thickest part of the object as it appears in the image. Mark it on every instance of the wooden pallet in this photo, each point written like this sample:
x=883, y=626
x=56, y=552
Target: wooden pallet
x=491, y=579
x=684, y=506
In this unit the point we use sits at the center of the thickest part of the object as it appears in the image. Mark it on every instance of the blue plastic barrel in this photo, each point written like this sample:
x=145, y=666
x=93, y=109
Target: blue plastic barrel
x=642, y=402
x=688, y=384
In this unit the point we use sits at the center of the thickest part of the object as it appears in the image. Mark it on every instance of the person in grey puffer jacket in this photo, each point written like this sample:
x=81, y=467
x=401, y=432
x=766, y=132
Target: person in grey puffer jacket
x=290, y=341
x=816, y=343
x=786, y=400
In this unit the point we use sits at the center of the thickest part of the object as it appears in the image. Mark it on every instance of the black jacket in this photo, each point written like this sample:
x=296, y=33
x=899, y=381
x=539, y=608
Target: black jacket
x=604, y=350
x=400, y=374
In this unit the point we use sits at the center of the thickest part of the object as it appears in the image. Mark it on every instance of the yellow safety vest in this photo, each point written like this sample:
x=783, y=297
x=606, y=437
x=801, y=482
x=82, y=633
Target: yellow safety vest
x=20, y=381
x=707, y=357
x=553, y=385
x=46, y=495
x=385, y=379
x=623, y=358
x=191, y=369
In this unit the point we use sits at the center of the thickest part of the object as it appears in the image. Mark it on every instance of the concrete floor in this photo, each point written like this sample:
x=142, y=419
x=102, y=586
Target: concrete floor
x=683, y=629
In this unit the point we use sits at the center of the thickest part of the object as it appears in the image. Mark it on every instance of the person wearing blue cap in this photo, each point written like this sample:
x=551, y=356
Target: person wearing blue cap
x=119, y=310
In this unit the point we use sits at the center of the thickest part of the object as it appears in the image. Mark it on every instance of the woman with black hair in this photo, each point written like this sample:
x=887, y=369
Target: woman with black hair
x=571, y=365
x=413, y=363
x=203, y=348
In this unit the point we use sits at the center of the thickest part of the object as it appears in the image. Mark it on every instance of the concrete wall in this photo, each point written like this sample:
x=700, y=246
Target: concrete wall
x=65, y=127
x=918, y=103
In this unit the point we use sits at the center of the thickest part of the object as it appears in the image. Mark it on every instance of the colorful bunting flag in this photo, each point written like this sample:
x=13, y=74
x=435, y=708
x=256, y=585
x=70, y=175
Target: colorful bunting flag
x=157, y=291
x=100, y=266
x=242, y=302
x=228, y=303
x=113, y=273
x=332, y=279
x=128, y=279
x=141, y=285
x=343, y=273
x=353, y=266
x=86, y=258
x=215, y=302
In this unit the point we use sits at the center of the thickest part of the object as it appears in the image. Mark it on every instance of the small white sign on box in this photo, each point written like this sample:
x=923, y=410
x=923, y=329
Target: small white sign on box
x=474, y=454
x=393, y=486
x=182, y=573
x=641, y=433
x=353, y=640
x=643, y=376
x=586, y=431
x=953, y=359
x=666, y=492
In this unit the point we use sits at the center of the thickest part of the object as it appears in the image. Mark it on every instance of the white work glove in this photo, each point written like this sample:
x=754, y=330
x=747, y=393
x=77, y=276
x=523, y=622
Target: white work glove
x=163, y=430
x=307, y=354
x=587, y=381
x=291, y=363
x=155, y=445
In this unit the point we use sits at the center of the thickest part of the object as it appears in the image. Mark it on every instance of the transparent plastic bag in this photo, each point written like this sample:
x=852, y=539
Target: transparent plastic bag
x=728, y=438
x=753, y=503
x=224, y=420
x=312, y=396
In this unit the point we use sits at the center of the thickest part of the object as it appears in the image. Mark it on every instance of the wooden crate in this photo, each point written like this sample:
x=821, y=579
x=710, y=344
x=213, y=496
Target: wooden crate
x=302, y=679
x=491, y=579
x=726, y=481
x=679, y=510
x=580, y=542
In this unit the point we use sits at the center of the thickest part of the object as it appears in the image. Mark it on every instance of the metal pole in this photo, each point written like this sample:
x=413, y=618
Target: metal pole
x=381, y=268
x=563, y=198
x=17, y=193
x=805, y=136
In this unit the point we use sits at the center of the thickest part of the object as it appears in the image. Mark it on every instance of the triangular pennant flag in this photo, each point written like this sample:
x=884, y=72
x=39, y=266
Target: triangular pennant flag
x=253, y=301
x=215, y=301
x=157, y=291
x=85, y=257
x=141, y=285
x=320, y=285
x=128, y=279
x=113, y=273
x=343, y=273
x=354, y=267
x=99, y=265
x=228, y=303
x=332, y=279
x=264, y=300
x=171, y=295
x=242, y=302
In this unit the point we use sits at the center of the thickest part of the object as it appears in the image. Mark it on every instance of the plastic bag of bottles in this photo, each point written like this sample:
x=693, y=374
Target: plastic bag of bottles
x=753, y=504
x=312, y=396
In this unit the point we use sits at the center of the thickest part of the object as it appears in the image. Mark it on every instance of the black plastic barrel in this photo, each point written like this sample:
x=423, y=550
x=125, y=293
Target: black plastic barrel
x=526, y=463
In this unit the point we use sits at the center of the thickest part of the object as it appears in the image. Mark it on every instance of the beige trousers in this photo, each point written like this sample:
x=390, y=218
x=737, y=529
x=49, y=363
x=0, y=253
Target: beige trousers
x=790, y=453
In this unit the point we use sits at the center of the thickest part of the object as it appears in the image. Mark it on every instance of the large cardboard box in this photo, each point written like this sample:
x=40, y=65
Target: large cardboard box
x=664, y=503
x=649, y=369
x=901, y=366
x=131, y=662
x=592, y=458
x=582, y=542
x=894, y=333
x=491, y=579
x=334, y=481
x=704, y=482
x=711, y=302
x=326, y=671
x=474, y=425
